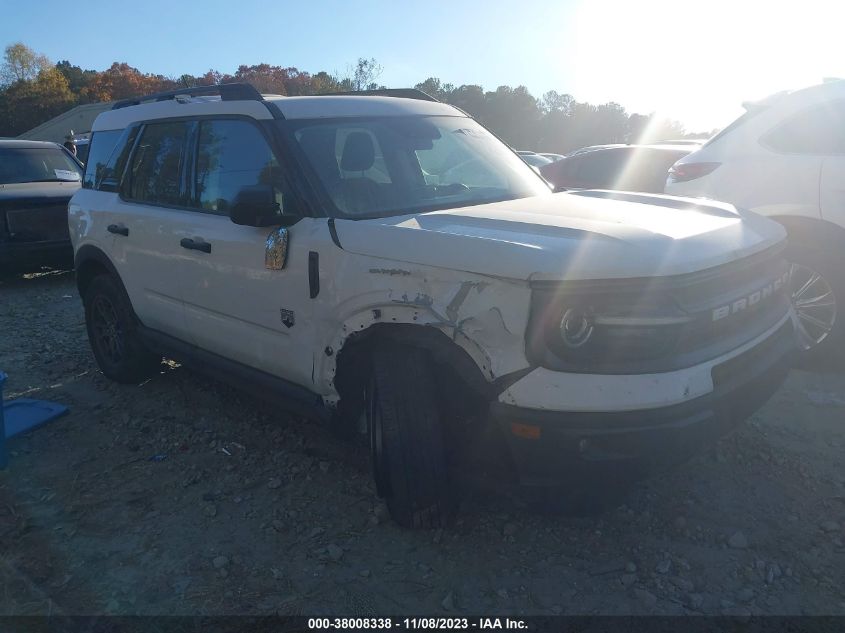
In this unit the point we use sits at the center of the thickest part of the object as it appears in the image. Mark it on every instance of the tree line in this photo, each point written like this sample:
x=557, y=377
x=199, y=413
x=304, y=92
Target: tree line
x=34, y=90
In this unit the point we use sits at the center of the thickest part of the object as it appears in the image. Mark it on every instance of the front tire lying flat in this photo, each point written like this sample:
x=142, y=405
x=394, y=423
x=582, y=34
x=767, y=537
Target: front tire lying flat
x=407, y=438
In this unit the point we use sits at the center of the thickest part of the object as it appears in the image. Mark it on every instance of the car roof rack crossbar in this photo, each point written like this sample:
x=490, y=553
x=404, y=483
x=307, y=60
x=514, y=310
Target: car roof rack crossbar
x=227, y=92
x=404, y=93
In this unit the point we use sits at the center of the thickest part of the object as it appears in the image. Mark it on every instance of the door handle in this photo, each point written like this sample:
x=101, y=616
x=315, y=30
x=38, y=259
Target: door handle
x=118, y=229
x=187, y=242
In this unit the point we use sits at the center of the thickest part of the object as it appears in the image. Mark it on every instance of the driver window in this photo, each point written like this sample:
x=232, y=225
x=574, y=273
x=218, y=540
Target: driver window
x=232, y=155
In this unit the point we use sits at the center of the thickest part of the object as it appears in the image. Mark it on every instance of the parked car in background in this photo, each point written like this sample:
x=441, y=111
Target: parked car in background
x=785, y=158
x=533, y=158
x=37, y=179
x=622, y=167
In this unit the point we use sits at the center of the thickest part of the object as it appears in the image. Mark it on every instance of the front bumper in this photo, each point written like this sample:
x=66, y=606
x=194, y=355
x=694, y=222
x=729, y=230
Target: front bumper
x=26, y=256
x=556, y=447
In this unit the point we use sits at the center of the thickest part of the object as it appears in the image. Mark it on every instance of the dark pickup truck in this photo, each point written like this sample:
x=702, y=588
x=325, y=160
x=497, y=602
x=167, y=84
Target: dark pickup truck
x=37, y=179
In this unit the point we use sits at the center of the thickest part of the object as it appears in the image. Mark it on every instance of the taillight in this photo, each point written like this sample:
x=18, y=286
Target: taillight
x=690, y=171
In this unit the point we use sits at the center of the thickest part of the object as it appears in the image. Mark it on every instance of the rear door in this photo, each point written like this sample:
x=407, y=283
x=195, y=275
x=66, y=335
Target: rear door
x=144, y=220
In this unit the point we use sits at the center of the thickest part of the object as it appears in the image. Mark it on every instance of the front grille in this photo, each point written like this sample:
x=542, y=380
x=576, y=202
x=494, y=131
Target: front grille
x=733, y=307
x=41, y=223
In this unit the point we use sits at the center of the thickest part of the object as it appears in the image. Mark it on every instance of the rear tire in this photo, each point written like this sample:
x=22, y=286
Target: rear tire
x=817, y=286
x=407, y=438
x=113, y=333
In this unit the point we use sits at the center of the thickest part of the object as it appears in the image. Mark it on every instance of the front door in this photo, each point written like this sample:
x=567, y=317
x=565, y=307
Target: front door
x=235, y=305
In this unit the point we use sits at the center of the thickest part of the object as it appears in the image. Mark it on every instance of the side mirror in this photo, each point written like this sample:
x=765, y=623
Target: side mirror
x=256, y=205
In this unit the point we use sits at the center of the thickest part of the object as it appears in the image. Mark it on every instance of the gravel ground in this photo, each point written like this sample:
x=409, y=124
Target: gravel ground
x=182, y=496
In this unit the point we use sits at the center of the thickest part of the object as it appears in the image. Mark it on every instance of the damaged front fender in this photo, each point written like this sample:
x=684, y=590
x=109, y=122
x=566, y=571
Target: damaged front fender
x=483, y=317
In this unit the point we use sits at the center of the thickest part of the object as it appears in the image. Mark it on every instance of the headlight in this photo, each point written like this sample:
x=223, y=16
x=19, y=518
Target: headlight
x=603, y=332
x=589, y=334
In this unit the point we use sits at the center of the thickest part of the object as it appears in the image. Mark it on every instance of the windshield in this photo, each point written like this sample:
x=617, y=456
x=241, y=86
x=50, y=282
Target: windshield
x=41, y=164
x=398, y=165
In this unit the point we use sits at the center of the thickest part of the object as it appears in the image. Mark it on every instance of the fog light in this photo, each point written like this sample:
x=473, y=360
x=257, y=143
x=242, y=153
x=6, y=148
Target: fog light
x=525, y=431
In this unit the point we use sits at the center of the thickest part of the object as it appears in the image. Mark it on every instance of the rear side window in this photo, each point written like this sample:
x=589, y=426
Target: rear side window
x=232, y=155
x=100, y=149
x=156, y=168
x=818, y=130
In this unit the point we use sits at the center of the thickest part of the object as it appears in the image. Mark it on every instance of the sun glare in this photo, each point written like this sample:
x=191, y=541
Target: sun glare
x=698, y=62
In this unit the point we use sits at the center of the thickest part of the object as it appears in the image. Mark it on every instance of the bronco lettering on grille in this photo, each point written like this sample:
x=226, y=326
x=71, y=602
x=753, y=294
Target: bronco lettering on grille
x=752, y=300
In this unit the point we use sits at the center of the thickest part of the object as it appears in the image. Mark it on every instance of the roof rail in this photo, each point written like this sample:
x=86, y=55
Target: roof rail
x=227, y=92
x=405, y=93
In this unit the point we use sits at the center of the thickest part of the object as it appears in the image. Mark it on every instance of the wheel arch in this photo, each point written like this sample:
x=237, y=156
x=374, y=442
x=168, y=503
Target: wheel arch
x=352, y=366
x=89, y=262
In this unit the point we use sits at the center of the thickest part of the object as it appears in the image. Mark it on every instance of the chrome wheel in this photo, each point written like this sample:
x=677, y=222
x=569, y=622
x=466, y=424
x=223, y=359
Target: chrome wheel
x=815, y=305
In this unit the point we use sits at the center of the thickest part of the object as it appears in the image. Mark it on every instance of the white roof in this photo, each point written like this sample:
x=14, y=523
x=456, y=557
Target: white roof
x=120, y=118
x=291, y=107
x=320, y=107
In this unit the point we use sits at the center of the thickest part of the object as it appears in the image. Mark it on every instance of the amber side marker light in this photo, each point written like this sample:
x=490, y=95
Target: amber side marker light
x=525, y=431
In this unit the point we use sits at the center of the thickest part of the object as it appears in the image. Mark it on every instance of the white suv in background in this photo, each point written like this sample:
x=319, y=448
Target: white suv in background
x=387, y=264
x=785, y=158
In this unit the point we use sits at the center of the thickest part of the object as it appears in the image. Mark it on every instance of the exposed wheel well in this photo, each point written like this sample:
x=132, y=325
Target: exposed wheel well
x=460, y=381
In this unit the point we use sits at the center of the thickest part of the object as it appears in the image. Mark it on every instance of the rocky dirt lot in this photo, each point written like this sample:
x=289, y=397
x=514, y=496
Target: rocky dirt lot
x=182, y=496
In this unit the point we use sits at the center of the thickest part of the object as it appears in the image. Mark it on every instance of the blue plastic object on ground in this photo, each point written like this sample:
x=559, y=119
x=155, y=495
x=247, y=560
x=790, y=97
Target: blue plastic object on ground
x=23, y=414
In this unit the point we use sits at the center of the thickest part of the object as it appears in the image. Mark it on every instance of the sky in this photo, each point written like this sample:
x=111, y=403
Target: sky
x=695, y=62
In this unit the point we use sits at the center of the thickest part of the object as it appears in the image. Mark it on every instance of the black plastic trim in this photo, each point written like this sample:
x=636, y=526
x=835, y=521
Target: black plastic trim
x=313, y=274
x=290, y=396
x=402, y=93
x=333, y=233
x=227, y=92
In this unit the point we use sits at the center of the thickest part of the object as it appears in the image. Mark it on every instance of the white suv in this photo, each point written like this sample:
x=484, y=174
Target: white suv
x=386, y=263
x=785, y=158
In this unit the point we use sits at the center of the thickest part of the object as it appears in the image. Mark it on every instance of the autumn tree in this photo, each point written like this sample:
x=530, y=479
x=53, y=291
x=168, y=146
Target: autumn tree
x=21, y=63
x=28, y=103
x=122, y=81
x=323, y=83
x=32, y=90
x=77, y=79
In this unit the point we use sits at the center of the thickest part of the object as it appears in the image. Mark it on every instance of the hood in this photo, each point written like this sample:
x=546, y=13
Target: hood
x=38, y=190
x=568, y=236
